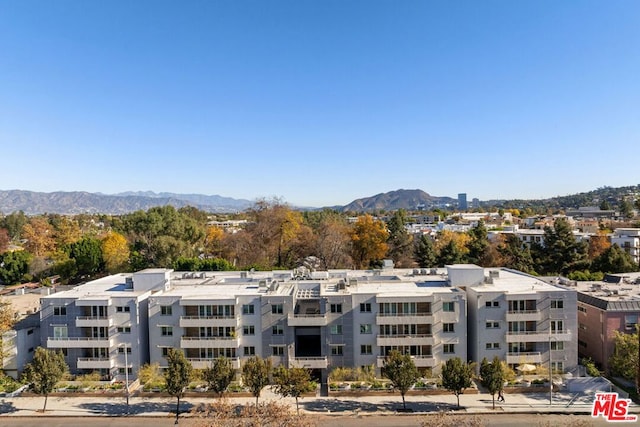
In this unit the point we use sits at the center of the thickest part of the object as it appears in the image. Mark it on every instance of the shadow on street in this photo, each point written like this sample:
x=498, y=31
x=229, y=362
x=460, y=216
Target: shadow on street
x=342, y=405
x=120, y=408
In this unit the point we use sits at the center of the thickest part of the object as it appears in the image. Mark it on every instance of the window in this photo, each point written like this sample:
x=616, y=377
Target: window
x=336, y=329
x=277, y=350
x=121, y=371
x=123, y=309
x=557, y=304
x=30, y=332
x=494, y=304
x=277, y=308
x=248, y=309
x=366, y=328
x=250, y=351
x=165, y=351
x=336, y=308
x=166, y=331
x=487, y=304
x=582, y=309
x=124, y=330
x=557, y=345
x=448, y=327
x=166, y=310
x=630, y=321
x=493, y=346
x=336, y=350
x=557, y=326
x=277, y=330
x=366, y=349
x=60, y=311
x=448, y=348
x=60, y=332
x=30, y=350
x=248, y=330
x=448, y=306
x=492, y=325
x=557, y=367
x=121, y=350
x=365, y=307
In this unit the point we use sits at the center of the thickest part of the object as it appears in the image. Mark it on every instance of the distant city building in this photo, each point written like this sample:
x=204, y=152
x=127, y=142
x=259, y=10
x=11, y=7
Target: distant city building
x=462, y=201
x=475, y=203
x=629, y=240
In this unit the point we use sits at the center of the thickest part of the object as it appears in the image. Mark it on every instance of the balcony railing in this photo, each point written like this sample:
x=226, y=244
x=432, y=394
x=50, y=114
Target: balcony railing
x=421, y=361
x=197, y=321
x=214, y=341
x=524, y=357
x=94, y=363
x=78, y=342
x=93, y=321
x=319, y=362
x=203, y=362
x=415, y=339
x=315, y=319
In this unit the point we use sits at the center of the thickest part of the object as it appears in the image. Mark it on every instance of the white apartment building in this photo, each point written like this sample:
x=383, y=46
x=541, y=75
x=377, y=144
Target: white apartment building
x=518, y=318
x=318, y=320
x=629, y=240
x=102, y=326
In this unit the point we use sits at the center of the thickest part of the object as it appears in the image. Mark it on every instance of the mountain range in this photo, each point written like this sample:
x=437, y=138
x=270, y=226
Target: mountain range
x=76, y=202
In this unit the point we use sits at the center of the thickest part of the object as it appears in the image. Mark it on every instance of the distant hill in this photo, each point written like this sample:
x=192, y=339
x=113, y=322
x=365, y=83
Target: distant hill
x=398, y=199
x=76, y=202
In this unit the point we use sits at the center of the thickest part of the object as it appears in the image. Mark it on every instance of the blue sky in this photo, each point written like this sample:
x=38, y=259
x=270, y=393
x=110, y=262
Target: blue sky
x=320, y=102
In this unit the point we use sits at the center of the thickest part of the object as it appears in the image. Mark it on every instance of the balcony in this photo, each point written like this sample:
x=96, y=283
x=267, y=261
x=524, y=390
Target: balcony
x=423, y=361
x=95, y=363
x=91, y=321
x=307, y=320
x=203, y=363
x=397, y=340
x=209, y=342
x=319, y=362
x=524, y=357
x=524, y=316
x=200, y=321
x=403, y=318
x=78, y=342
x=538, y=336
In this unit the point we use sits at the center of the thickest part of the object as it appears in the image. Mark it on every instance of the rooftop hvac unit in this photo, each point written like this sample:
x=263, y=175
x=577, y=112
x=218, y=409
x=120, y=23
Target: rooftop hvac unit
x=128, y=283
x=341, y=285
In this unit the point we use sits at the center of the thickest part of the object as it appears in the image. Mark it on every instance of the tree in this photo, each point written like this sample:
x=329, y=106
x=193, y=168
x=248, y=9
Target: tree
x=14, y=266
x=401, y=371
x=478, y=245
x=456, y=376
x=66, y=230
x=4, y=240
x=450, y=254
x=87, y=252
x=400, y=242
x=561, y=253
x=255, y=375
x=39, y=235
x=516, y=254
x=624, y=360
x=115, y=252
x=214, y=241
x=626, y=208
x=13, y=223
x=45, y=371
x=425, y=254
x=332, y=241
x=598, y=243
x=605, y=206
x=177, y=375
x=292, y=382
x=492, y=377
x=614, y=260
x=368, y=240
x=219, y=375
x=7, y=320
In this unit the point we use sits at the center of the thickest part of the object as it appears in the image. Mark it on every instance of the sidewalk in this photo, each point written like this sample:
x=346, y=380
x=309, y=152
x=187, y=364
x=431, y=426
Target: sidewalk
x=535, y=403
